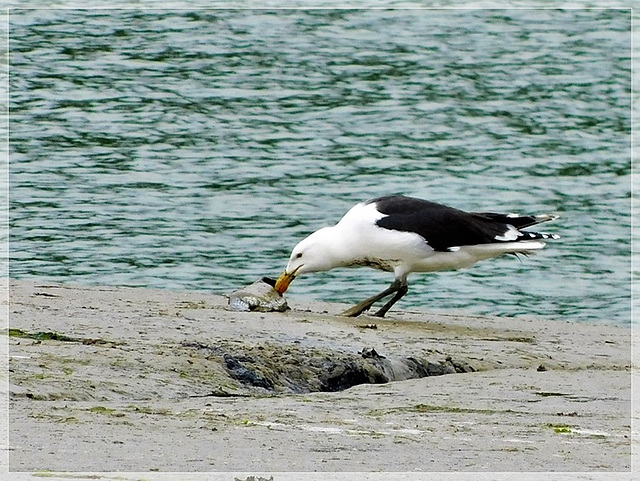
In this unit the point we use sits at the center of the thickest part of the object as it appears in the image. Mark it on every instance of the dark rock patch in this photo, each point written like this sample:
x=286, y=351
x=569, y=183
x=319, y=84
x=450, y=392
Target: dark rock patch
x=279, y=368
x=236, y=367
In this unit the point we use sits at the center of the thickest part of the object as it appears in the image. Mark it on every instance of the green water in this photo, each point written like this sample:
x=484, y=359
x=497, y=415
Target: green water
x=193, y=149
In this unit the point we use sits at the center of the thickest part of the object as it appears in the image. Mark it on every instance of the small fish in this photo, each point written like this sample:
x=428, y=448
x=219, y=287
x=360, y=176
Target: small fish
x=259, y=296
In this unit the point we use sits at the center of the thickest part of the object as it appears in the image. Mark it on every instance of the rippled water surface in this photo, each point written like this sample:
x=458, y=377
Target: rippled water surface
x=193, y=149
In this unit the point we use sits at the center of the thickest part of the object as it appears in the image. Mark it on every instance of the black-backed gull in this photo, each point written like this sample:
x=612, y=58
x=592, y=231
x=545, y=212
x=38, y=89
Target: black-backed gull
x=403, y=235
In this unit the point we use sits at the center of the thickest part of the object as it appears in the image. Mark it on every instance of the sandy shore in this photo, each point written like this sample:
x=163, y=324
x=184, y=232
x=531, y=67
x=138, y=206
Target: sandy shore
x=146, y=381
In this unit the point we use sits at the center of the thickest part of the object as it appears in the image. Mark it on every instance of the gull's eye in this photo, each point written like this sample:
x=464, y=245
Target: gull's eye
x=298, y=255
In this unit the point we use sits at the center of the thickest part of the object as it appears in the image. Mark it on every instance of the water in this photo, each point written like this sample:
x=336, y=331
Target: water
x=192, y=149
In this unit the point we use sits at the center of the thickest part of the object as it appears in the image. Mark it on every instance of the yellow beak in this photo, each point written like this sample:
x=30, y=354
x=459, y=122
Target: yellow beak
x=282, y=284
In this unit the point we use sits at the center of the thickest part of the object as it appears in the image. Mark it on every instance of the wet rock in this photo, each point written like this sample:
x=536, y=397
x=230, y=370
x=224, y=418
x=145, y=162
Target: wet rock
x=238, y=370
x=461, y=366
x=259, y=296
x=439, y=368
x=281, y=368
x=347, y=373
x=370, y=354
x=417, y=367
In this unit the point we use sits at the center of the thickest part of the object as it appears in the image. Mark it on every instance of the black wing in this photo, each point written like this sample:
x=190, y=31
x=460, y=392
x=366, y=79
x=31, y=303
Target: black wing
x=444, y=227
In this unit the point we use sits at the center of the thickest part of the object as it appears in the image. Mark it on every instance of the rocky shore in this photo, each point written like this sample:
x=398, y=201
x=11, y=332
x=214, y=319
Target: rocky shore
x=147, y=381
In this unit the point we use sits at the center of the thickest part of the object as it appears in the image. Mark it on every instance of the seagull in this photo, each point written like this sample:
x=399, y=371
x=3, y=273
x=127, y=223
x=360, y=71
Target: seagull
x=402, y=235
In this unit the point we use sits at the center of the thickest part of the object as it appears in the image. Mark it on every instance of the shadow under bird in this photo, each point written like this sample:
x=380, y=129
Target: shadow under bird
x=403, y=235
